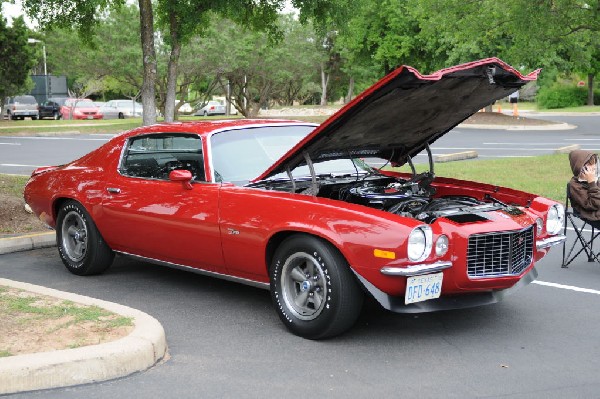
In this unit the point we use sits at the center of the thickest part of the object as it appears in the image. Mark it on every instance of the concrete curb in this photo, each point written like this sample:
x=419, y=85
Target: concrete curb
x=457, y=156
x=567, y=149
x=27, y=242
x=138, y=351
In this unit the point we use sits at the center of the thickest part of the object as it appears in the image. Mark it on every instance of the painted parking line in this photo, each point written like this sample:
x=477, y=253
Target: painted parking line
x=566, y=287
x=518, y=143
x=15, y=165
x=10, y=143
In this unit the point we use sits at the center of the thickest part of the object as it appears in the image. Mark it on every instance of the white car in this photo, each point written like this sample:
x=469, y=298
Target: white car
x=121, y=109
x=211, y=108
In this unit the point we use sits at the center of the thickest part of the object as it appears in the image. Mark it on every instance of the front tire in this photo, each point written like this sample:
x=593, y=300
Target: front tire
x=121, y=116
x=313, y=289
x=80, y=245
x=55, y=116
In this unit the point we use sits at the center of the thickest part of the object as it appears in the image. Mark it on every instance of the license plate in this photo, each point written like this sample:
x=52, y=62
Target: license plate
x=90, y=117
x=423, y=288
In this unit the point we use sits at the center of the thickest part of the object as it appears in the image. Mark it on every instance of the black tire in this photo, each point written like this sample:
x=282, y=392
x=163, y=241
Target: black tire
x=121, y=116
x=12, y=117
x=313, y=289
x=80, y=245
x=205, y=113
x=55, y=115
x=34, y=118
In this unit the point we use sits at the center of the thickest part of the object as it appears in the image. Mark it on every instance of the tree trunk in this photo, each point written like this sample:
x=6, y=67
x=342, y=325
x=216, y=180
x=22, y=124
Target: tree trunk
x=149, y=61
x=590, y=97
x=172, y=68
x=324, y=83
x=350, y=93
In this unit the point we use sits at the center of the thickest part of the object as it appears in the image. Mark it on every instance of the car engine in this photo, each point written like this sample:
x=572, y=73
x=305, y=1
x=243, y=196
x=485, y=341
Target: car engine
x=412, y=198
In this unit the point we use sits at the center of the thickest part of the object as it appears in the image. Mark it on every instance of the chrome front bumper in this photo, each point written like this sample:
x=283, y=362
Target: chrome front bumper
x=550, y=242
x=415, y=270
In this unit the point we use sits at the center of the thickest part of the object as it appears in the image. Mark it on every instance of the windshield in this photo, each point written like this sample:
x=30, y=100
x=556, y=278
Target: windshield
x=25, y=100
x=240, y=156
x=85, y=104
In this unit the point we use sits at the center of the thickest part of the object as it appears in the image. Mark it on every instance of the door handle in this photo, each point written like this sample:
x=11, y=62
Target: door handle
x=113, y=190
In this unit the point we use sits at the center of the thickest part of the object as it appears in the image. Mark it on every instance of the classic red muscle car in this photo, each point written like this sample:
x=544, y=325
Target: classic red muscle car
x=296, y=208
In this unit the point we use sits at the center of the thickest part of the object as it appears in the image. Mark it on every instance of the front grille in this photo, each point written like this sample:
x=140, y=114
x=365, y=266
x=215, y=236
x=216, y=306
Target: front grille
x=499, y=254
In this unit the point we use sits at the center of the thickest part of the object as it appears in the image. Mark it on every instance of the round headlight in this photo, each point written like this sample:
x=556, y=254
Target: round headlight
x=555, y=219
x=420, y=243
x=539, y=224
x=441, y=245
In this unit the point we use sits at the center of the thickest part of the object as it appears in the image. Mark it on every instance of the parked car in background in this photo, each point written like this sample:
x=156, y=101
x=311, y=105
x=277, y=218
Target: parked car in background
x=51, y=108
x=211, y=108
x=292, y=207
x=81, y=108
x=121, y=109
x=20, y=107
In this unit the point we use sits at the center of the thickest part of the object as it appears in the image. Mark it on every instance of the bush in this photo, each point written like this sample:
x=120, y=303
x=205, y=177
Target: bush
x=564, y=96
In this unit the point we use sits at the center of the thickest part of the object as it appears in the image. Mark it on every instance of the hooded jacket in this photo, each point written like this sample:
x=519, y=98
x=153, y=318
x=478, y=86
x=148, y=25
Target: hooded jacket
x=585, y=197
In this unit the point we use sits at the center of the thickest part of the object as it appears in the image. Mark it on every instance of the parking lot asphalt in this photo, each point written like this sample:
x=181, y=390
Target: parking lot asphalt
x=226, y=341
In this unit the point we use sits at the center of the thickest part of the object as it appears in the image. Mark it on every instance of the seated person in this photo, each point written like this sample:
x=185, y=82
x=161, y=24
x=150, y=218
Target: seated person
x=583, y=187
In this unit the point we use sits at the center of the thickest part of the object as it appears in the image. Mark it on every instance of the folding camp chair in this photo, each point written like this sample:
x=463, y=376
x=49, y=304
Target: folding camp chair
x=580, y=244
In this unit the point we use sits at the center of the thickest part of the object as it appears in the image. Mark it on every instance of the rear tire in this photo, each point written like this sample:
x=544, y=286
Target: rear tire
x=313, y=289
x=80, y=245
x=205, y=113
x=121, y=116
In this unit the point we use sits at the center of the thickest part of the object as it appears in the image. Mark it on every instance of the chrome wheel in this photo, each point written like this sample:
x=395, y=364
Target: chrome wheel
x=303, y=286
x=74, y=236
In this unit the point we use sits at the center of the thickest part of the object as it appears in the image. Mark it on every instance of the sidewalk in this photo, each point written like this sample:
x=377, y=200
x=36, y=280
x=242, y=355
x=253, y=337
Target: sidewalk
x=138, y=351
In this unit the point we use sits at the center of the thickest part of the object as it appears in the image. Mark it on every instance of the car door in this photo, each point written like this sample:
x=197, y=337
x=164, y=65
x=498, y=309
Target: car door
x=145, y=214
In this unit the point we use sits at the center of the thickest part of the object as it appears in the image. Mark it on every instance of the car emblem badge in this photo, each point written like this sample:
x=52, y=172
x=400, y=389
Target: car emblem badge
x=305, y=286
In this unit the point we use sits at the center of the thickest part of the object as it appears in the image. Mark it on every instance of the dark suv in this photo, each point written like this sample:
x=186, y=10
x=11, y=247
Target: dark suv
x=51, y=108
x=20, y=107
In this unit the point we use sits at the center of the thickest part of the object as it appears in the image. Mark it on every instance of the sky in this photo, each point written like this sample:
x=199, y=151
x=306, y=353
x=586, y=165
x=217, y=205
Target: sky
x=10, y=11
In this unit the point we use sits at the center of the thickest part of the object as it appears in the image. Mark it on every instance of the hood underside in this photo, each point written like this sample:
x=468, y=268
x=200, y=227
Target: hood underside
x=403, y=112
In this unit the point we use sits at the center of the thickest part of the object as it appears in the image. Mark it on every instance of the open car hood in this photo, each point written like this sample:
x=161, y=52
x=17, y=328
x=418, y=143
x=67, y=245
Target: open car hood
x=399, y=115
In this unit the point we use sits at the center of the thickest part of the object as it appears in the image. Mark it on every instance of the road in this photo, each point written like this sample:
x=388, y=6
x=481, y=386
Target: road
x=225, y=340
x=21, y=155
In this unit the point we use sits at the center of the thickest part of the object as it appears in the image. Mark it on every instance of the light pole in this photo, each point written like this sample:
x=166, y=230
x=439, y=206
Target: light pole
x=45, y=70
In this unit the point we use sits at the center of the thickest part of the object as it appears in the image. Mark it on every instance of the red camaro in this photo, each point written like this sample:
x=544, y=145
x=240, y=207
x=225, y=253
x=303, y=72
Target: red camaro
x=297, y=209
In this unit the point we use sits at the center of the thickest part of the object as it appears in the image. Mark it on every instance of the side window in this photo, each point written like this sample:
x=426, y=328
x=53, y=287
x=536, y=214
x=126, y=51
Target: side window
x=155, y=156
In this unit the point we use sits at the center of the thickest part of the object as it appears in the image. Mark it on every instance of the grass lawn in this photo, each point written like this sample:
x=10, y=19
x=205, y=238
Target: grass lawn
x=531, y=106
x=12, y=185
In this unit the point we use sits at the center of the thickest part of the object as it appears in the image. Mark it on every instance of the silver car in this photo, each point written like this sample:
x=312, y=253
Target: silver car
x=20, y=107
x=121, y=109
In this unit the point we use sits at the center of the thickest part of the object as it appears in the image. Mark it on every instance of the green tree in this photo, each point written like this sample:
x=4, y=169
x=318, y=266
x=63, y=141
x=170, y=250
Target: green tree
x=85, y=16
x=119, y=65
x=183, y=18
x=554, y=34
x=16, y=59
